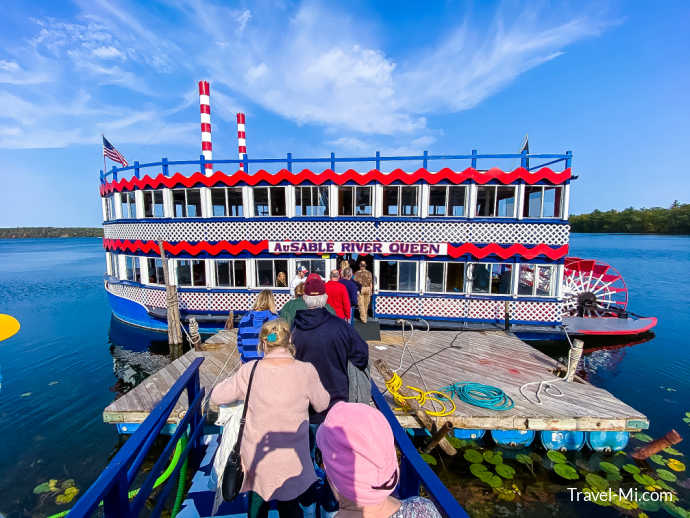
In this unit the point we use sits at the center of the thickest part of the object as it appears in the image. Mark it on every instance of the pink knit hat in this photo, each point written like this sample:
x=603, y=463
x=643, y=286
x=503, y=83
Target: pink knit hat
x=358, y=452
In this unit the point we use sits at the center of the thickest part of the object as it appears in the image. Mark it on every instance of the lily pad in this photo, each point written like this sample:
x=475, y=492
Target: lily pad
x=631, y=468
x=648, y=505
x=505, y=470
x=478, y=469
x=25, y=394
x=595, y=497
x=473, y=457
x=642, y=437
x=429, y=459
x=675, y=465
x=524, y=459
x=67, y=496
x=658, y=459
x=608, y=467
x=455, y=442
x=42, y=488
x=493, y=481
x=672, y=451
x=643, y=479
x=614, y=477
x=53, y=383
x=596, y=481
x=566, y=471
x=675, y=510
x=556, y=457
x=493, y=457
x=68, y=483
x=623, y=503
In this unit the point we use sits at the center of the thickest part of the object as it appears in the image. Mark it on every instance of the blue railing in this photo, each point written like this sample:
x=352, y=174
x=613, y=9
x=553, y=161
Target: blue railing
x=289, y=161
x=413, y=470
x=112, y=486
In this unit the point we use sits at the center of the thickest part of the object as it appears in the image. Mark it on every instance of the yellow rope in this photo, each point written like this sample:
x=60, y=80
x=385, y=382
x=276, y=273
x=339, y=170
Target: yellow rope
x=395, y=384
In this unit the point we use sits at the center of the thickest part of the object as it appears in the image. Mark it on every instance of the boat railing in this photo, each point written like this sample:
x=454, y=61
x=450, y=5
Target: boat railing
x=136, y=168
x=414, y=471
x=112, y=487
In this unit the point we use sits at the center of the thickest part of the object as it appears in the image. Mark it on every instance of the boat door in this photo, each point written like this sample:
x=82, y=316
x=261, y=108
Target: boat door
x=355, y=260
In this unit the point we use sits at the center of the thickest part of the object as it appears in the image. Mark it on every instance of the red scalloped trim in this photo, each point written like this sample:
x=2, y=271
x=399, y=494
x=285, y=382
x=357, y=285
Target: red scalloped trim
x=262, y=246
x=328, y=175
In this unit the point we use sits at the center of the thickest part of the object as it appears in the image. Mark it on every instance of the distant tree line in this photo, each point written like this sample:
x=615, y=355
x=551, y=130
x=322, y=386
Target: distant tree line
x=655, y=220
x=37, y=232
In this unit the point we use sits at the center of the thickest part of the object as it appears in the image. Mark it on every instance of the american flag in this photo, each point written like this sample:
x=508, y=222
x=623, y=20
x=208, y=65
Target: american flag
x=112, y=153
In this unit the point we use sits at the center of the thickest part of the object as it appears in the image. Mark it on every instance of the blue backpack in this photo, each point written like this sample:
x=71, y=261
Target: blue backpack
x=248, y=333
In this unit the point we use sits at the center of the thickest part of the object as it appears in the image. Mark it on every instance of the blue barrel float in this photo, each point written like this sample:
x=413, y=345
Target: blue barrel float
x=513, y=438
x=607, y=441
x=563, y=441
x=468, y=435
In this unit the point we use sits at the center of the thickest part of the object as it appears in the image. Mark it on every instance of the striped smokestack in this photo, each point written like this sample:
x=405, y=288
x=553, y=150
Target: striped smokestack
x=205, y=110
x=241, y=138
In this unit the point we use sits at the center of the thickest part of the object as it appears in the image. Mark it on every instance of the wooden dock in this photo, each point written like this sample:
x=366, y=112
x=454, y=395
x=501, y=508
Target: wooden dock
x=443, y=357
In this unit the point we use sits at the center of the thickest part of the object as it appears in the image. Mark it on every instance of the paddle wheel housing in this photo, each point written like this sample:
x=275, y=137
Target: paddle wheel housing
x=592, y=288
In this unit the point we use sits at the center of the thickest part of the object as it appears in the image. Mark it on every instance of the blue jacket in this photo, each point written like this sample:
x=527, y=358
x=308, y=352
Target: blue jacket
x=352, y=289
x=328, y=343
x=248, y=333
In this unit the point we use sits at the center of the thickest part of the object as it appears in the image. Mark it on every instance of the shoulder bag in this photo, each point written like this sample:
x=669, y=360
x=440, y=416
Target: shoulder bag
x=233, y=475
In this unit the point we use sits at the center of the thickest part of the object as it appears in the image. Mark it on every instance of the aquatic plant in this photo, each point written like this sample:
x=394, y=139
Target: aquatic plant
x=556, y=457
x=675, y=465
x=473, y=457
x=631, y=468
x=482, y=473
x=658, y=459
x=506, y=471
x=493, y=457
x=642, y=437
x=566, y=471
x=672, y=451
x=429, y=459
x=596, y=481
x=608, y=467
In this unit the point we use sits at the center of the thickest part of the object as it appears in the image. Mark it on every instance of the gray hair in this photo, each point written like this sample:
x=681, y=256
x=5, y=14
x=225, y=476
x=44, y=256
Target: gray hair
x=315, y=301
x=347, y=273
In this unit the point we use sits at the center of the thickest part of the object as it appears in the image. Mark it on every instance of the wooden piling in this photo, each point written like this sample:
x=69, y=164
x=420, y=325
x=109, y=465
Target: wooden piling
x=438, y=436
x=171, y=302
x=656, y=446
x=412, y=406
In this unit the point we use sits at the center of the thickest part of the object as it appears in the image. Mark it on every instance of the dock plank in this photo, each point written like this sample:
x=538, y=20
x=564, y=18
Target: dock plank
x=432, y=360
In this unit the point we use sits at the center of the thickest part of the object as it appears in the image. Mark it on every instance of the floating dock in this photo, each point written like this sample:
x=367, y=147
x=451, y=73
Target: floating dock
x=442, y=357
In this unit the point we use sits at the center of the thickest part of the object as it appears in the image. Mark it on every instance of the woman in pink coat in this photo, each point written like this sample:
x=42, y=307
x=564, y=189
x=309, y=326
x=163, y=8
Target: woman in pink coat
x=275, y=444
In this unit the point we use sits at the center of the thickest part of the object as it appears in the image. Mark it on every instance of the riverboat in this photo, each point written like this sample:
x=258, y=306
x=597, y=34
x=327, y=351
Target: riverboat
x=471, y=241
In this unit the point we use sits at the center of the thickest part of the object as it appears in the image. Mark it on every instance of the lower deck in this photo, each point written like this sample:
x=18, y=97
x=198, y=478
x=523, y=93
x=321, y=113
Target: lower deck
x=431, y=360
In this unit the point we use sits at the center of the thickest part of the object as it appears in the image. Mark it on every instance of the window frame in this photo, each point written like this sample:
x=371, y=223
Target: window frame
x=153, y=260
x=226, y=206
x=191, y=273
x=494, y=213
x=110, y=208
x=307, y=262
x=445, y=291
x=232, y=273
x=299, y=206
x=399, y=201
x=537, y=268
x=275, y=274
x=130, y=203
x=354, y=189
x=114, y=265
x=397, y=276
x=447, y=214
x=186, y=202
x=269, y=190
x=471, y=291
x=136, y=269
x=525, y=201
x=152, y=193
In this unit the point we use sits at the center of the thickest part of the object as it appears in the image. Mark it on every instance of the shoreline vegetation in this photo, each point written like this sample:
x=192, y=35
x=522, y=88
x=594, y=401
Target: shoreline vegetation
x=654, y=220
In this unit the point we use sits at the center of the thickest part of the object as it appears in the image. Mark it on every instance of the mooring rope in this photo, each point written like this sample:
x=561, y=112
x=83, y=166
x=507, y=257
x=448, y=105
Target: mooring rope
x=395, y=383
x=483, y=396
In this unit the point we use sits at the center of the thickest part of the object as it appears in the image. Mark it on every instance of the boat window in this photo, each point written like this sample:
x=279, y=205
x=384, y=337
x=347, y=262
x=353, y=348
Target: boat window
x=447, y=200
x=227, y=201
x=129, y=206
x=153, y=204
x=132, y=267
x=313, y=266
x=311, y=201
x=354, y=201
x=231, y=273
x=400, y=200
x=114, y=268
x=191, y=272
x=492, y=278
x=109, y=207
x=442, y=277
x=495, y=201
x=155, y=267
x=398, y=275
x=269, y=201
x=187, y=203
x=542, y=201
x=545, y=276
x=267, y=273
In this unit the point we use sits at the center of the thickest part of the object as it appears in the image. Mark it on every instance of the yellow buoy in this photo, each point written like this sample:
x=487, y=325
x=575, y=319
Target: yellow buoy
x=8, y=326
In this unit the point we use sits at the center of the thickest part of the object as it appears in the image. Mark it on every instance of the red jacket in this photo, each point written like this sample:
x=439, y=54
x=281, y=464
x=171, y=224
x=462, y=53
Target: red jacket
x=338, y=298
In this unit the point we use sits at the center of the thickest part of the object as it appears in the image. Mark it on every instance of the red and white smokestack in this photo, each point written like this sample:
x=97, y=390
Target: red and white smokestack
x=241, y=138
x=205, y=110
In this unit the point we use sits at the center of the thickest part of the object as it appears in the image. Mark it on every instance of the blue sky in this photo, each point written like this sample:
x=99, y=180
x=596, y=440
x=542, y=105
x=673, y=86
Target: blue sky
x=608, y=81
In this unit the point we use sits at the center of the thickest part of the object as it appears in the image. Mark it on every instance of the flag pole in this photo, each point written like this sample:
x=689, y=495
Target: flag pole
x=105, y=170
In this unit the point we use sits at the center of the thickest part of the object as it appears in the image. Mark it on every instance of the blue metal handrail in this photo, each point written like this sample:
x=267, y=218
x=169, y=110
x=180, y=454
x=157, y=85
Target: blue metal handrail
x=413, y=470
x=289, y=160
x=112, y=486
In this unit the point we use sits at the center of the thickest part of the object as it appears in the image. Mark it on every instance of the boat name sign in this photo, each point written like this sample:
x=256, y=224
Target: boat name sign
x=358, y=247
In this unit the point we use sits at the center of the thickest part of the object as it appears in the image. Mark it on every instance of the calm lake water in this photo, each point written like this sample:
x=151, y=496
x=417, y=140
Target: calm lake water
x=67, y=363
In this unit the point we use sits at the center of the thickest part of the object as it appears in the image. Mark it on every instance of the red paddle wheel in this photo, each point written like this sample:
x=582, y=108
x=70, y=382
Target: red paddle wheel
x=592, y=288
